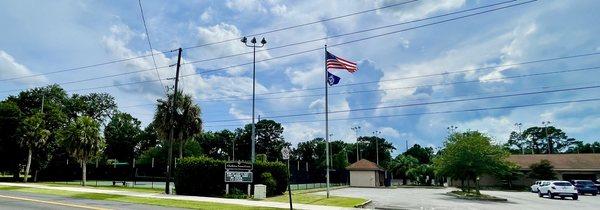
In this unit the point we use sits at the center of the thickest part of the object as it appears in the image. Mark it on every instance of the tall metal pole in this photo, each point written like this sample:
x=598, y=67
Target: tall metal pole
x=253, y=98
x=376, y=133
x=170, y=158
x=520, y=137
x=546, y=123
x=326, y=122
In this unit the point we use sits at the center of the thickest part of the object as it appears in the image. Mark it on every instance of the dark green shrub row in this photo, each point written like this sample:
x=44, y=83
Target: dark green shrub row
x=206, y=177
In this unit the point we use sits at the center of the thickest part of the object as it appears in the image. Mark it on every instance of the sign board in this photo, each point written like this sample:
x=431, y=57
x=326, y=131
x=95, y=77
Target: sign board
x=238, y=176
x=238, y=166
x=285, y=152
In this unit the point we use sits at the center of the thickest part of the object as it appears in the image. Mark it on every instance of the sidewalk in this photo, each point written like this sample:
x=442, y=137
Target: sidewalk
x=176, y=197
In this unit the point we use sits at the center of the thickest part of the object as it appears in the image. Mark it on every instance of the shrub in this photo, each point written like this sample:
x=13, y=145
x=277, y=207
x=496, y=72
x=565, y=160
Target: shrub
x=261, y=158
x=278, y=171
x=268, y=180
x=200, y=176
x=205, y=176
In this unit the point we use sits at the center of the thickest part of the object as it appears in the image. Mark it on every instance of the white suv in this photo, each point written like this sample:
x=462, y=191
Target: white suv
x=535, y=186
x=557, y=188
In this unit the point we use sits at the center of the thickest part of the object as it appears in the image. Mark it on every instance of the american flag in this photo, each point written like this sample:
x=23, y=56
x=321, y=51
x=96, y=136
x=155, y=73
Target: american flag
x=334, y=62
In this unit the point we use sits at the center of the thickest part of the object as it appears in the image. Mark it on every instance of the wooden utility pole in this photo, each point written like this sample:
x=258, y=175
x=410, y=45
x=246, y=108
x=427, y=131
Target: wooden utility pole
x=169, y=159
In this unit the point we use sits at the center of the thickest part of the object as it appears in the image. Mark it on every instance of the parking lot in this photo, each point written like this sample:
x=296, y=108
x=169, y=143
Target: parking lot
x=421, y=198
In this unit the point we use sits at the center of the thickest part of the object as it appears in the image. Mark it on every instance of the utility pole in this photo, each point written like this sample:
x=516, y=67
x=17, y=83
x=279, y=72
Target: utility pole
x=172, y=128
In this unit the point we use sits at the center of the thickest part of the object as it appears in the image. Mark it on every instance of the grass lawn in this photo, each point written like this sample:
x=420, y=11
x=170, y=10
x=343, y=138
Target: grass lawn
x=130, y=199
x=116, y=187
x=309, y=198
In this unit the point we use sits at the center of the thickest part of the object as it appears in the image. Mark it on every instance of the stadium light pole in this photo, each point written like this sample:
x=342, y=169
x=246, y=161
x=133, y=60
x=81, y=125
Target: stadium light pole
x=254, y=46
x=356, y=130
x=376, y=134
x=518, y=125
x=546, y=123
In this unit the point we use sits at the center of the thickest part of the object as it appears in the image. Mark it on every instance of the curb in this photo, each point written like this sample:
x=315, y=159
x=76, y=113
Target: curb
x=362, y=205
x=495, y=199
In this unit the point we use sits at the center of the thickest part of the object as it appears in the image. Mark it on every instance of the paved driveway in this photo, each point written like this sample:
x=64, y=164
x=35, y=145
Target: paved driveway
x=420, y=198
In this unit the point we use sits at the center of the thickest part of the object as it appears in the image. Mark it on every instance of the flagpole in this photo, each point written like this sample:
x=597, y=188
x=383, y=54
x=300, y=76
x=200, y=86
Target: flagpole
x=326, y=123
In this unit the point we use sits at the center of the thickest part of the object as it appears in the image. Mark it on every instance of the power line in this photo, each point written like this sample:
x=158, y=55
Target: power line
x=431, y=113
x=295, y=53
x=408, y=87
x=150, y=45
x=207, y=44
x=422, y=104
x=417, y=86
x=367, y=38
x=301, y=25
x=418, y=76
x=351, y=33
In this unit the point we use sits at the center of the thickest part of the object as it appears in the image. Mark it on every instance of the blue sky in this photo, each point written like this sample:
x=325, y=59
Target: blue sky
x=46, y=36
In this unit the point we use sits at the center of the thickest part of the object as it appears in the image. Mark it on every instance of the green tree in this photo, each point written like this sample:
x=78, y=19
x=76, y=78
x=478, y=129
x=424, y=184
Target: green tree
x=542, y=171
x=11, y=153
x=423, y=174
x=468, y=155
x=369, y=146
x=423, y=154
x=52, y=99
x=546, y=139
x=509, y=173
x=82, y=140
x=98, y=106
x=122, y=135
x=32, y=136
x=186, y=121
x=148, y=139
x=400, y=165
x=580, y=147
x=269, y=140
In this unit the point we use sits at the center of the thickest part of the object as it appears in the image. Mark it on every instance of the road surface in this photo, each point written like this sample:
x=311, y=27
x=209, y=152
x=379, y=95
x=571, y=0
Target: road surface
x=29, y=201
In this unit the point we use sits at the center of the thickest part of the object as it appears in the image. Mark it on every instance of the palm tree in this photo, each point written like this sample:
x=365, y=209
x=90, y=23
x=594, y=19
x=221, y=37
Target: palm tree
x=32, y=136
x=82, y=140
x=186, y=121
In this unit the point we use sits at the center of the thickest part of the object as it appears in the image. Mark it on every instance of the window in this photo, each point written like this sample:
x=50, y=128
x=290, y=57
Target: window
x=562, y=184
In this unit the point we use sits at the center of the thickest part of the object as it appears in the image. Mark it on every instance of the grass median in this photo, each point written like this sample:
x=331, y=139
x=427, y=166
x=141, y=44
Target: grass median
x=131, y=199
x=308, y=197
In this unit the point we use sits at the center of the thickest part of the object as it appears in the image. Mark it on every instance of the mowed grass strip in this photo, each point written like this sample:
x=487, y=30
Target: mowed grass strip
x=309, y=198
x=116, y=187
x=131, y=199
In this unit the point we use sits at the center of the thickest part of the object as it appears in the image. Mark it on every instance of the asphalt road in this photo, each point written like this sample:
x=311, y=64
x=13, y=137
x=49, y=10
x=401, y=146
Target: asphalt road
x=29, y=201
x=420, y=198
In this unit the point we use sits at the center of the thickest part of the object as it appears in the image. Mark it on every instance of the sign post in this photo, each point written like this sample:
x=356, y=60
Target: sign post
x=285, y=153
x=238, y=172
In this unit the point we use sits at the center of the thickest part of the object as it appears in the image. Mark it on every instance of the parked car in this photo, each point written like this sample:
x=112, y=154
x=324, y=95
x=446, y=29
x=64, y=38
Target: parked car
x=585, y=187
x=558, y=188
x=535, y=186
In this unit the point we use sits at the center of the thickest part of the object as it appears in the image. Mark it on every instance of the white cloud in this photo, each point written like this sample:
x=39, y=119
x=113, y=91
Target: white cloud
x=425, y=8
x=220, y=32
x=10, y=68
x=207, y=15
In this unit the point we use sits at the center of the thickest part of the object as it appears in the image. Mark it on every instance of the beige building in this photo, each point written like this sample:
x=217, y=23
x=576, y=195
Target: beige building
x=365, y=173
x=566, y=166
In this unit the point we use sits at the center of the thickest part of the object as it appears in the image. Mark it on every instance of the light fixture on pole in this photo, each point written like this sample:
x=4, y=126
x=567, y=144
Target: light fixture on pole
x=356, y=130
x=546, y=123
x=376, y=134
x=254, y=46
x=518, y=125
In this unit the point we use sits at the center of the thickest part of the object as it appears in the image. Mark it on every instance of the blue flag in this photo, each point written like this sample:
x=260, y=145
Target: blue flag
x=332, y=79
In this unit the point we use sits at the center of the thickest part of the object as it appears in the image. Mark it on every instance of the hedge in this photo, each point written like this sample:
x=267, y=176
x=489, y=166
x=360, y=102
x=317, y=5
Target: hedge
x=206, y=177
